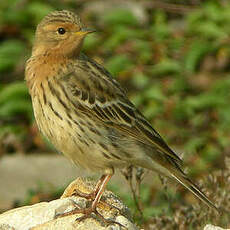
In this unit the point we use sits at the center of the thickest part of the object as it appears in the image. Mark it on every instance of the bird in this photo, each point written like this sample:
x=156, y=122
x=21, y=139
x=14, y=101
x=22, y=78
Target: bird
x=86, y=114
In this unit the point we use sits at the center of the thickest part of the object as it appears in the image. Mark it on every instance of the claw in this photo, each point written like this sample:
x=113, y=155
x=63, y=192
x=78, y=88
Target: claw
x=86, y=214
x=107, y=221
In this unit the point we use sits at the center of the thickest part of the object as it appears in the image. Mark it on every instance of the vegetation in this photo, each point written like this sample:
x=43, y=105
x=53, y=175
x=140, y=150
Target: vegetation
x=174, y=62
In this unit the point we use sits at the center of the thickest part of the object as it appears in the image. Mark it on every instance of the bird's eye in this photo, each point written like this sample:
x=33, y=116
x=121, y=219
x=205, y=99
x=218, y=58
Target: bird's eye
x=61, y=30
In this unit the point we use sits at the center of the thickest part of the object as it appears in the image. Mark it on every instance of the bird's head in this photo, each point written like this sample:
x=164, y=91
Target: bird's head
x=60, y=33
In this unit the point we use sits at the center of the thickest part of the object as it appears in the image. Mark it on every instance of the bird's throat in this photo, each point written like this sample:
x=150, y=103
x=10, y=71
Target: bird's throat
x=43, y=67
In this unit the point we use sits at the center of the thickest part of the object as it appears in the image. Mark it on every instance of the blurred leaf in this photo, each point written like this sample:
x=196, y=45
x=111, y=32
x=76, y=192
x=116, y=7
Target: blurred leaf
x=91, y=42
x=140, y=80
x=177, y=44
x=13, y=91
x=211, y=153
x=120, y=16
x=204, y=101
x=152, y=109
x=196, y=51
x=211, y=30
x=16, y=107
x=160, y=28
x=38, y=10
x=12, y=128
x=12, y=12
x=179, y=85
x=155, y=98
x=210, y=21
x=10, y=52
x=167, y=66
x=213, y=11
x=15, y=100
x=118, y=63
x=194, y=144
x=154, y=92
x=120, y=34
x=144, y=50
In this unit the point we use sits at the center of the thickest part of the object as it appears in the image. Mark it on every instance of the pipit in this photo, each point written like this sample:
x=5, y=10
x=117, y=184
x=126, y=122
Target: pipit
x=86, y=114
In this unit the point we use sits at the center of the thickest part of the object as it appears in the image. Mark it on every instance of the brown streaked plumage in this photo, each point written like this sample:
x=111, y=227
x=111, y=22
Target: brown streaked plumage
x=85, y=113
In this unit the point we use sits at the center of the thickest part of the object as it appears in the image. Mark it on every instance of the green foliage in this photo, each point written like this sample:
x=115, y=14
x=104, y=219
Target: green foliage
x=160, y=27
x=143, y=48
x=14, y=100
x=91, y=41
x=119, y=16
x=120, y=34
x=39, y=10
x=197, y=50
x=166, y=66
x=10, y=52
x=118, y=63
x=15, y=105
x=210, y=22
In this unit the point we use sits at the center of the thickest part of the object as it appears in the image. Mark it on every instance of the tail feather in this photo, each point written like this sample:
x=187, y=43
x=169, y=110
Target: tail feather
x=186, y=182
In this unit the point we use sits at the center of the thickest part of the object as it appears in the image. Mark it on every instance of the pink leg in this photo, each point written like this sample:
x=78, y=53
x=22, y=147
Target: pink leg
x=100, y=187
x=104, y=181
x=93, y=194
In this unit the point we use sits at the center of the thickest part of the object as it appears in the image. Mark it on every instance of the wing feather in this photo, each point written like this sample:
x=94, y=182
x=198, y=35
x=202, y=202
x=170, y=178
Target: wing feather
x=99, y=95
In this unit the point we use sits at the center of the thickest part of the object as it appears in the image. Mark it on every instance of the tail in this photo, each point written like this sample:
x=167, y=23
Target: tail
x=187, y=183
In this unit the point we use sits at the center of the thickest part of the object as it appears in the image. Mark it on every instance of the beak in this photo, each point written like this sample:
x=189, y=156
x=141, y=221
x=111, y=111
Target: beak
x=85, y=31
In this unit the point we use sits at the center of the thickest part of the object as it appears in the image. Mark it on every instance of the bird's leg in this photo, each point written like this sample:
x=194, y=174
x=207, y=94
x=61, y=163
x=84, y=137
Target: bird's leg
x=100, y=187
x=91, y=195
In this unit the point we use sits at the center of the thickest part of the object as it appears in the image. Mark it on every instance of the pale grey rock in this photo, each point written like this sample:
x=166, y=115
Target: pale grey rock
x=42, y=216
x=212, y=227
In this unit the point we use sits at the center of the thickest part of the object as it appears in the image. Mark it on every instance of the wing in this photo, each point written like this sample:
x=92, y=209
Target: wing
x=95, y=93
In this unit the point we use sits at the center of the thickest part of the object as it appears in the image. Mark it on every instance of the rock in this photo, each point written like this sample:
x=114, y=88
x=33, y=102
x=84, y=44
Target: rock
x=212, y=227
x=43, y=216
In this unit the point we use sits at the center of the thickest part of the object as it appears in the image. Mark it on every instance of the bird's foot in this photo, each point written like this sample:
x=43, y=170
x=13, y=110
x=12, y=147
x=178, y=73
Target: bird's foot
x=91, y=196
x=87, y=213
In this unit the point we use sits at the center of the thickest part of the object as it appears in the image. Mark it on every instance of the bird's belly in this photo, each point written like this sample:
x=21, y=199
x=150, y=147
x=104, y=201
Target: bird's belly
x=78, y=140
